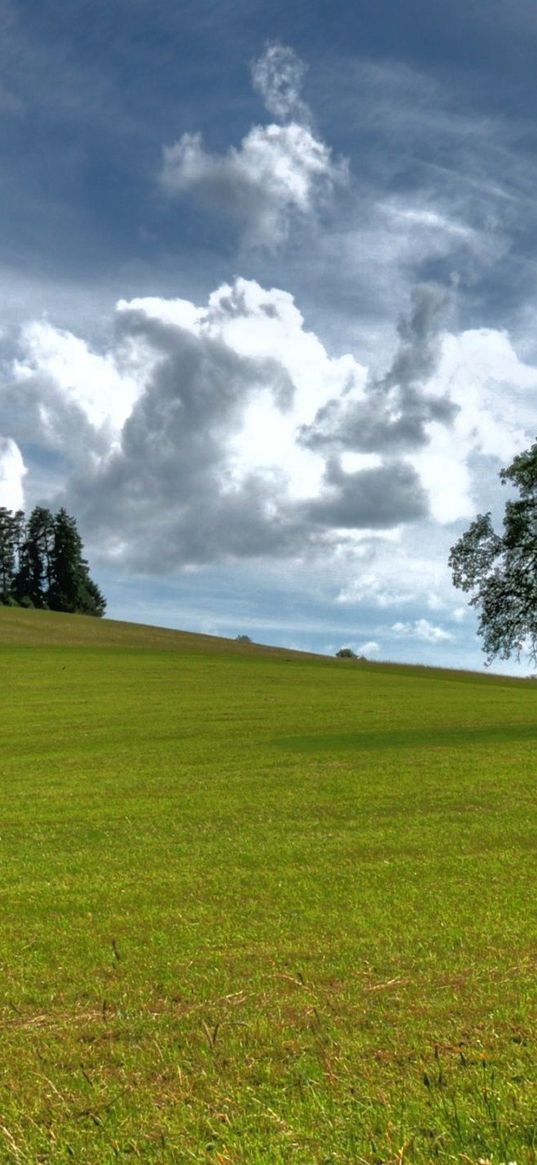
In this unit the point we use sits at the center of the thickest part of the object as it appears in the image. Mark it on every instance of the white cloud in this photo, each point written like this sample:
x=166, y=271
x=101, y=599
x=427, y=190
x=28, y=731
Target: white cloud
x=278, y=75
x=494, y=392
x=369, y=648
x=278, y=172
x=421, y=629
x=182, y=442
x=375, y=588
x=446, y=399
x=423, y=217
x=398, y=571
x=265, y=325
x=12, y=472
x=94, y=382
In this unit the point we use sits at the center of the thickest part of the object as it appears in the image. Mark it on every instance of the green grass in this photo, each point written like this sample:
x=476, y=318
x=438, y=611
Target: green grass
x=260, y=908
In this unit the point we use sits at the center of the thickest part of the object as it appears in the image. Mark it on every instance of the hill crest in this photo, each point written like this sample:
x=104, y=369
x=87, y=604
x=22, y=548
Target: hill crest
x=20, y=627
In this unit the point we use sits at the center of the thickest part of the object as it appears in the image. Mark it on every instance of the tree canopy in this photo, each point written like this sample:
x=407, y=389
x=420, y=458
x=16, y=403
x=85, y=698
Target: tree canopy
x=500, y=570
x=42, y=563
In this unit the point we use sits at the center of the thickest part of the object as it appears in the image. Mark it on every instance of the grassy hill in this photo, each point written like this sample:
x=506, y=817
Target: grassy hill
x=261, y=907
x=50, y=629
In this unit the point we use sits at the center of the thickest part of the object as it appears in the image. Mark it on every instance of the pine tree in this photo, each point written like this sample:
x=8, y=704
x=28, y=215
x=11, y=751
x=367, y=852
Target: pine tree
x=7, y=554
x=42, y=564
x=34, y=577
x=19, y=527
x=71, y=587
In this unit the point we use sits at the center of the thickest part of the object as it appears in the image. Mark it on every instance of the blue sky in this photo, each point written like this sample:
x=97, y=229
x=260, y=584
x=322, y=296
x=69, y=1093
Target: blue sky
x=268, y=280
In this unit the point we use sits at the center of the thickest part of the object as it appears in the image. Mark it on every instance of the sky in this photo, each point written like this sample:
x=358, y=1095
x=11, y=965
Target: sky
x=269, y=288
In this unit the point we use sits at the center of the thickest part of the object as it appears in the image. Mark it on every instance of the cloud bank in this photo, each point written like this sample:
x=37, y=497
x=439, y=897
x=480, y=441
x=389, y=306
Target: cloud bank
x=207, y=434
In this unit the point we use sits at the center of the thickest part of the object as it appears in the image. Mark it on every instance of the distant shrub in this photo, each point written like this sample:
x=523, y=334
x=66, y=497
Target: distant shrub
x=243, y=639
x=346, y=653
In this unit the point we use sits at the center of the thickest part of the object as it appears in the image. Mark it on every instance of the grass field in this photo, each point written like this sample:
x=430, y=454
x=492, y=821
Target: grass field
x=260, y=908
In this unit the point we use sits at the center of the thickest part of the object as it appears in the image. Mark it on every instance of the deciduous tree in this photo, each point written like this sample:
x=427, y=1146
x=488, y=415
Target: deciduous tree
x=499, y=570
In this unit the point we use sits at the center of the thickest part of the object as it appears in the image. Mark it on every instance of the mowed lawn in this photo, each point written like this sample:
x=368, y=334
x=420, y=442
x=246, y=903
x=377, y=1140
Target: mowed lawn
x=260, y=908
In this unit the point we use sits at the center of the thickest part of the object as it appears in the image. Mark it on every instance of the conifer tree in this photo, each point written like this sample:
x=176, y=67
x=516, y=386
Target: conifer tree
x=34, y=576
x=42, y=563
x=71, y=587
x=7, y=554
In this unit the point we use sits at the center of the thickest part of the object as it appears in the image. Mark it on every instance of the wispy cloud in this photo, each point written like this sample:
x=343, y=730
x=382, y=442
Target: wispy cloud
x=278, y=75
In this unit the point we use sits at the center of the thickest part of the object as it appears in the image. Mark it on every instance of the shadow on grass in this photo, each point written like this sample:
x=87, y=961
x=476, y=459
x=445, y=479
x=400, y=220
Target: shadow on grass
x=426, y=737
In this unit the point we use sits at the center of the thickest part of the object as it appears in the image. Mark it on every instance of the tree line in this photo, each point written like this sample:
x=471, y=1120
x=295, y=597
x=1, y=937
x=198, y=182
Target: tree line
x=42, y=563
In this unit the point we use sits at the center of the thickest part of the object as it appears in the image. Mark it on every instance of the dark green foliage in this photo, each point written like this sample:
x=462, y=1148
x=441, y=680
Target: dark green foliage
x=71, y=588
x=7, y=553
x=500, y=571
x=41, y=564
x=346, y=653
x=33, y=578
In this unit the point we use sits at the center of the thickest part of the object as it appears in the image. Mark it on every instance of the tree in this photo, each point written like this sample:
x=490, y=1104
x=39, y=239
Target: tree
x=499, y=571
x=71, y=588
x=7, y=554
x=42, y=565
x=34, y=576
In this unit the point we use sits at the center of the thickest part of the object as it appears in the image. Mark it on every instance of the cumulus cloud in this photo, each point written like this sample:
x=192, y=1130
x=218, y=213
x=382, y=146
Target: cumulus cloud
x=392, y=412
x=381, y=497
x=172, y=477
x=423, y=630
x=371, y=647
x=494, y=394
x=63, y=403
x=12, y=471
x=88, y=379
x=178, y=445
x=180, y=458
x=183, y=442
x=278, y=173
x=278, y=75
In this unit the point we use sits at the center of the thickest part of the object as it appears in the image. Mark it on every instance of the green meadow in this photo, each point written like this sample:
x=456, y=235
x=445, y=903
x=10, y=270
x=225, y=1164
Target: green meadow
x=260, y=907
